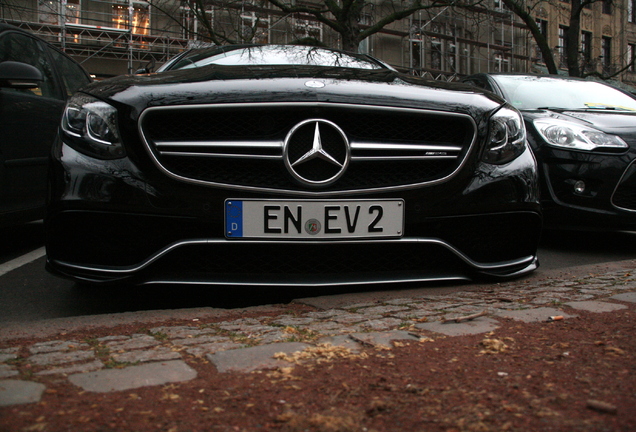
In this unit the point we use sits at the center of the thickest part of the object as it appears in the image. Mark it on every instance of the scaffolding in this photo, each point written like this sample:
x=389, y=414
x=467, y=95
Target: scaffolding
x=112, y=31
x=449, y=45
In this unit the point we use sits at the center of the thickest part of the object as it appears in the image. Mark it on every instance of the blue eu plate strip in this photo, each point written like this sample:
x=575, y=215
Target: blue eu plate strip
x=234, y=218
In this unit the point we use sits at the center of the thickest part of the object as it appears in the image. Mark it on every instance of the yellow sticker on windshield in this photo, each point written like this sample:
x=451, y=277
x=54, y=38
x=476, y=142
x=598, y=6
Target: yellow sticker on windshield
x=595, y=105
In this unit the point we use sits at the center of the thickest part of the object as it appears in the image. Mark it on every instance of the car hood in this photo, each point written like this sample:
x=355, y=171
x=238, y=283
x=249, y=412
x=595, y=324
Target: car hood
x=257, y=84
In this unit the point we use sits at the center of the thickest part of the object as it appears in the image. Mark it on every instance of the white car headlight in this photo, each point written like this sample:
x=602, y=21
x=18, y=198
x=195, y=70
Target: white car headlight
x=91, y=125
x=507, y=136
x=562, y=133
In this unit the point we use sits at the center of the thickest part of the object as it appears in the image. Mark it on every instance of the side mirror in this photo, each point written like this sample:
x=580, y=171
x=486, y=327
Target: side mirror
x=19, y=75
x=148, y=68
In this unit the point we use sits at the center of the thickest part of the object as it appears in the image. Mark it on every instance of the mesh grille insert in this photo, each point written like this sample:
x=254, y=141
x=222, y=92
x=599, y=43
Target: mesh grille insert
x=243, y=145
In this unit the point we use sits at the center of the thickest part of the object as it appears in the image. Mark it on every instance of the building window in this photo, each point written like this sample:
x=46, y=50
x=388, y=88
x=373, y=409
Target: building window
x=586, y=47
x=501, y=63
x=631, y=57
x=607, y=7
x=416, y=54
x=631, y=11
x=436, y=47
x=563, y=42
x=416, y=39
x=436, y=53
x=365, y=46
x=606, y=49
x=543, y=26
x=451, y=52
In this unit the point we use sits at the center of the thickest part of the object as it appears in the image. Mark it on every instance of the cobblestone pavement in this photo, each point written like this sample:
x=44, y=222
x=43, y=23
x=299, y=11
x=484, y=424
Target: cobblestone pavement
x=157, y=357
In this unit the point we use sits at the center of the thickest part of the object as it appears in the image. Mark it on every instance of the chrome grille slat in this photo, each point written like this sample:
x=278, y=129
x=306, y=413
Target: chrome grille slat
x=401, y=158
x=398, y=147
x=215, y=144
x=220, y=155
x=386, y=148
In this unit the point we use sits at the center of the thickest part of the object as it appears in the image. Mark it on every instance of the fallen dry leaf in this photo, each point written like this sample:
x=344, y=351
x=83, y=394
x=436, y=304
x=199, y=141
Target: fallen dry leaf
x=493, y=346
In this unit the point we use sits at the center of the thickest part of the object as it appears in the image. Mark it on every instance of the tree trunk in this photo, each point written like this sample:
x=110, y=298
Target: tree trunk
x=350, y=42
x=573, y=37
x=349, y=17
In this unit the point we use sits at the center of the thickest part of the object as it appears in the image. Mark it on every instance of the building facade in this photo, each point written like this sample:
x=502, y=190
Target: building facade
x=113, y=37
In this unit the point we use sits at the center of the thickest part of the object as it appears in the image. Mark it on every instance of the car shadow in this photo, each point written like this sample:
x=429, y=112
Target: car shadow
x=613, y=243
x=560, y=249
x=123, y=298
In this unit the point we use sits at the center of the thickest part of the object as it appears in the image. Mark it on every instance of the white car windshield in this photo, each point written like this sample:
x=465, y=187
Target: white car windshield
x=531, y=92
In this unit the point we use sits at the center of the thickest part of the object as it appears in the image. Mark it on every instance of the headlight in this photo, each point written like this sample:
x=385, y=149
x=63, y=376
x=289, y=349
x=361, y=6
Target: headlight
x=562, y=133
x=91, y=126
x=507, y=137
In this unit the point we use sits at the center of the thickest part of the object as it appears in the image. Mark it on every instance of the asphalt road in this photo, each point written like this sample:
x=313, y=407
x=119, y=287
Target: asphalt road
x=28, y=293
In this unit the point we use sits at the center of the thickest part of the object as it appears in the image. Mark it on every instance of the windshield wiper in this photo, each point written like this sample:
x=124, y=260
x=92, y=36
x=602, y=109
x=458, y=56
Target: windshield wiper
x=588, y=108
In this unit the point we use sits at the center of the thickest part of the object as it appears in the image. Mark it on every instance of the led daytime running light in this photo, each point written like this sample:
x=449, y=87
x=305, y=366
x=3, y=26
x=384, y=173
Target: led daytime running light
x=507, y=136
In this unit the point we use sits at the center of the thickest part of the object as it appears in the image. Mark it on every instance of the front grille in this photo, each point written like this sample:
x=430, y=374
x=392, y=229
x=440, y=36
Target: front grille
x=243, y=145
x=625, y=195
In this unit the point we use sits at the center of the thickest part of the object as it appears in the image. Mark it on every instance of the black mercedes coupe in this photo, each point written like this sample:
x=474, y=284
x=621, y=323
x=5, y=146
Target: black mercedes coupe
x=289, y=166
x=583, y=134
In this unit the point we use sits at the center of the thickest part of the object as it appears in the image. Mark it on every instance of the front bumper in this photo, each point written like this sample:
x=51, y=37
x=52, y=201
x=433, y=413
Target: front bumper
x=607, y=200
x=121, y=221
x=162, y=258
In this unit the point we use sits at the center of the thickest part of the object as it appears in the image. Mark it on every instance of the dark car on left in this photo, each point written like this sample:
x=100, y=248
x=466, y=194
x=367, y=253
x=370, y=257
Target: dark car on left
x=36, y=79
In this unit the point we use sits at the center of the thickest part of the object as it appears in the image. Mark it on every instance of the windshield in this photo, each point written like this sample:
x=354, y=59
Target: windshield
x=272, y=55
x=530, y=92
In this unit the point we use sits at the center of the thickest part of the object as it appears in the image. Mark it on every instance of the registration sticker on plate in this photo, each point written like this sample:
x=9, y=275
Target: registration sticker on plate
x=314, y=219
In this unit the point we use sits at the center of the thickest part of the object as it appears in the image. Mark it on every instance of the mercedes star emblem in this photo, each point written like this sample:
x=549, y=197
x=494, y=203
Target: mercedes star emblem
x=316, y=152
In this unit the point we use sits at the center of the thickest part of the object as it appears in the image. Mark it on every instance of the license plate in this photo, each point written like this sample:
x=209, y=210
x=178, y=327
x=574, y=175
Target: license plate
x=314, y=219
